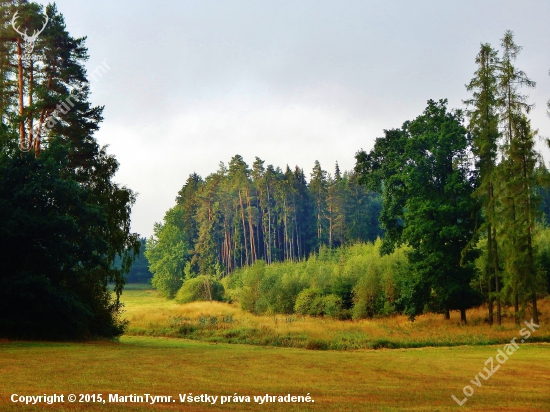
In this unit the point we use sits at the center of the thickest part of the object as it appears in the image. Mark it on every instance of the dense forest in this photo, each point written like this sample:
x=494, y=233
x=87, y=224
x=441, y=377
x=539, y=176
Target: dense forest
x=64, y=220
x=446, y=212
x=460, y=190
x=239, y=215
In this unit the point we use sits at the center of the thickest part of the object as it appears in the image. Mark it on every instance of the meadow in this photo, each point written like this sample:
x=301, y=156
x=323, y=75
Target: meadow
x=366, y=380
x=151, y=315
x=157, y=357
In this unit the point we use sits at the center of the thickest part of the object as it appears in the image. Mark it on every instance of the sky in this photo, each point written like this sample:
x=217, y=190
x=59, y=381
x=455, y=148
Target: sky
x=192, y=83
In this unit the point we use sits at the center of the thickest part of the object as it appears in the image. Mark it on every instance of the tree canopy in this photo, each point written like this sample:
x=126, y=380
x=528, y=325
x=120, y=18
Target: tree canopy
x=64, y=219
x=427, y=185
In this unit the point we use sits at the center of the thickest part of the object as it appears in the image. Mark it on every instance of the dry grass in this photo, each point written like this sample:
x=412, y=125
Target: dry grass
x=152, y=315
x=420, y=379
x=382, y=380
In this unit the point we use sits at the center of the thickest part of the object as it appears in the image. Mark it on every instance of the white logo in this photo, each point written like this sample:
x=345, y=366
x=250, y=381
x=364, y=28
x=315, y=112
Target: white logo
x=29, y=40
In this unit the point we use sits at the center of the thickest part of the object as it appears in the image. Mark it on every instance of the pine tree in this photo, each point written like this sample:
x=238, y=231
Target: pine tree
x=85, y=221
x=318, y=187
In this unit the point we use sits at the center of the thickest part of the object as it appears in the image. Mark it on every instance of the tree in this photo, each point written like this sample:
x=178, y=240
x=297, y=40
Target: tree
x=64, y=219
x=518, y=206
x=167, y=253
x=427, y=184
x=483, y=127
x=139, y=271
x=318, y=187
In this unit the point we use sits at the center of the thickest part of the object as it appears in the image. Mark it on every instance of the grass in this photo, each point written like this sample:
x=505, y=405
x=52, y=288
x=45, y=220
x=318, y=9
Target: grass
x=151, y=315
x=421, y=379
x=382, y=380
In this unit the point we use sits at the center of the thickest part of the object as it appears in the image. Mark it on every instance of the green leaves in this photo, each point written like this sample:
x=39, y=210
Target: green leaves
x=64, y=219
x=426, y=183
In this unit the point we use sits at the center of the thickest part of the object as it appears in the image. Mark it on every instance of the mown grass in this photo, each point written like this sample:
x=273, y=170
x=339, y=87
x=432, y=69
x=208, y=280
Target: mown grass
x=382, y=380
x=151, y=315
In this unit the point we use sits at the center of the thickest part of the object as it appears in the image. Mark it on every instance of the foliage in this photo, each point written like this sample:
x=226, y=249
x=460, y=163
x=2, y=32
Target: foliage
x=139, y=271
x=200, y=288
x=334, y=282
x=426, y=184
x=63, y=218
x=509, y=184
x=165, y=252
x=240, y=215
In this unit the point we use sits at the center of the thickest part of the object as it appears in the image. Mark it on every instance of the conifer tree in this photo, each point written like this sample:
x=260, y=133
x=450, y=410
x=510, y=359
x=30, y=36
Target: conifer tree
x=517, y=170
x=483, y=126
x=319, y=189
x=77, y=219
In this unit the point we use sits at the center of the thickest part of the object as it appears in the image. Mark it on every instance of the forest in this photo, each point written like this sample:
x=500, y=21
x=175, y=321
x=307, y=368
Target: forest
x=457, y=198
x=445, y=213
x=386, y=275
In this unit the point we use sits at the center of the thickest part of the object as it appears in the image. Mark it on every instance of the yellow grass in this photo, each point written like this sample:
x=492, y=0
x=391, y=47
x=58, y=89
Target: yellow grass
x=382, y=380
x=152, y=315
x=420, y=379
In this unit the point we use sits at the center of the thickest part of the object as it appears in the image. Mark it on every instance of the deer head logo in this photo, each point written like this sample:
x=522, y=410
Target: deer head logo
x=29, y=40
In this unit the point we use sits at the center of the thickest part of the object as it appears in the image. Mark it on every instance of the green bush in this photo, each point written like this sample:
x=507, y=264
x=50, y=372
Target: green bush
x=332, y=305
x=306, y=301
x=336, y=282
x=312, y=302
x=200, y=288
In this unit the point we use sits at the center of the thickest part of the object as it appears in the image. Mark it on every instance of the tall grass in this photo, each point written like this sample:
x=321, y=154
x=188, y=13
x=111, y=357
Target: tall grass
x=151, y=315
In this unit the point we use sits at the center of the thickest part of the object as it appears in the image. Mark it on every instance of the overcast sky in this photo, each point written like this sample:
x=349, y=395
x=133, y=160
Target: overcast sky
x=192, y=83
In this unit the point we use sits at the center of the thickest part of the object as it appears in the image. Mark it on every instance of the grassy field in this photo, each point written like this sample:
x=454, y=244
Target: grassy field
x=367, y=380
x=412, y=379
x=150, y=315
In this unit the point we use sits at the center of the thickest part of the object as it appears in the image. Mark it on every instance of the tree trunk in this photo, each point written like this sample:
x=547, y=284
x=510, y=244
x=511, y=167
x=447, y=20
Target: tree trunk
x=463, y=315
x=516, y=307
x=22, y=137
x=244, y=228
x=489, y=269
x=31, y=83
x=535, y=309
x=497, y=283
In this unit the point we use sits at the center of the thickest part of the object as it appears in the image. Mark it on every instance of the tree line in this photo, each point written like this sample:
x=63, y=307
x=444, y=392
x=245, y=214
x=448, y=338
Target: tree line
x=462, y=190
x=240, y=215
x=64, y=220
x=445, y=187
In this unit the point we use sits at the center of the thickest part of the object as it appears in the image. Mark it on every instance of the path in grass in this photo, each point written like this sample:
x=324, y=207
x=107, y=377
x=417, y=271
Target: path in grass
x=382, y=380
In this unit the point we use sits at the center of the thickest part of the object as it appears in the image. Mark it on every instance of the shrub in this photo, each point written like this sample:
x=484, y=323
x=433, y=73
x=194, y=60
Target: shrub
x=312, y=302
x=332, y=305
x=200, y=288
x=305, y=301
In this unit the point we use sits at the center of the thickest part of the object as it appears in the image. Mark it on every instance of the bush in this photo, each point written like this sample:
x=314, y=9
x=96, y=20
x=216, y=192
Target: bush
x=306, y=301
x=311, y=302
x=200, y=288
x=332, y=305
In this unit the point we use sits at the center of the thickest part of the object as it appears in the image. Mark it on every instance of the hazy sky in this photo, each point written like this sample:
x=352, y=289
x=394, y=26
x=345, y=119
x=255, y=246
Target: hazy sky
x=192, y=83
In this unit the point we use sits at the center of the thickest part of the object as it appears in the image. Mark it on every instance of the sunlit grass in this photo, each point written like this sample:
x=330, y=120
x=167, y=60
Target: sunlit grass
x=382, y=380
x=152, y=315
